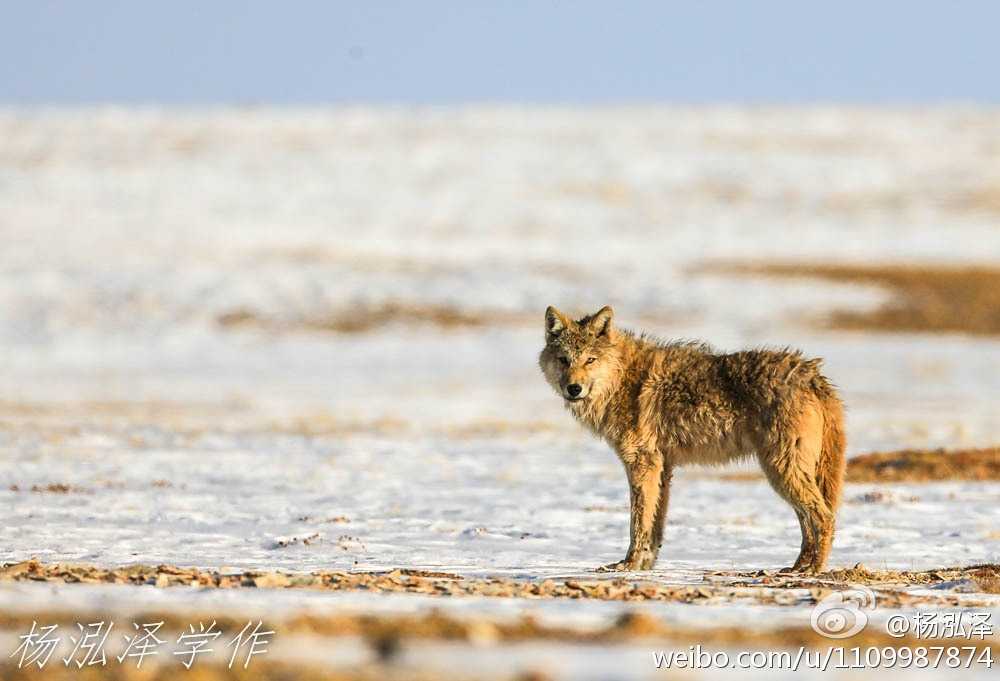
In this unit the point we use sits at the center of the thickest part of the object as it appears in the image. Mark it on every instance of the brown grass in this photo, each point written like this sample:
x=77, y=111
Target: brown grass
x=927, y=298
x=368, y=318
x=904, y=465
x=763, y=587
x=985, y=577
x=925, y=465
x=52, y=487
x=399, y=580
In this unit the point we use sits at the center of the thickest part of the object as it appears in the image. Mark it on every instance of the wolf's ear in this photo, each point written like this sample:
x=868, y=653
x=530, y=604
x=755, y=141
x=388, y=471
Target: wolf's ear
x=600, y=323
x=555, y=322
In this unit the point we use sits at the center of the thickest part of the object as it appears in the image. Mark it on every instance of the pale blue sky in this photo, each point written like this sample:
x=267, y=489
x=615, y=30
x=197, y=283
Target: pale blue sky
x=435, y=52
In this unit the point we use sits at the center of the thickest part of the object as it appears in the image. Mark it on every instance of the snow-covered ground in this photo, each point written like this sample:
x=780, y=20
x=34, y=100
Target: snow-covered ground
x=128, y=234
x=546, y=504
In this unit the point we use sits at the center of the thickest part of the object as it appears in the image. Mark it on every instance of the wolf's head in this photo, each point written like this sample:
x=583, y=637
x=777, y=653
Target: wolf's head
x=580, y=358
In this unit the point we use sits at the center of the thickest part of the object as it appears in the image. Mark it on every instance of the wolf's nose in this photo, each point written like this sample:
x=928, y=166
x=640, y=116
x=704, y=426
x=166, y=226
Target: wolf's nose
x=574, y=389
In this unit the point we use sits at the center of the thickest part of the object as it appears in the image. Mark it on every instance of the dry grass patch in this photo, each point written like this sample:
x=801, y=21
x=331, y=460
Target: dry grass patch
x=986, y=577
x=369, y=318
x=904, y=465
x=399, y=580
x=51, y=488
x=927, y=298
x=926, y=465
x=763, y=587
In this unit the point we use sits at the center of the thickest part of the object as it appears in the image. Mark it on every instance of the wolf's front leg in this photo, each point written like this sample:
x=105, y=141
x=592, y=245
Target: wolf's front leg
x=647, y=487
x=666, y=475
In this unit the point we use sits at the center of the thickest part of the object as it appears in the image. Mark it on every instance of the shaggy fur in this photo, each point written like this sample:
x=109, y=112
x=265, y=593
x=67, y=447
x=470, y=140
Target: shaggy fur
x=661, y=405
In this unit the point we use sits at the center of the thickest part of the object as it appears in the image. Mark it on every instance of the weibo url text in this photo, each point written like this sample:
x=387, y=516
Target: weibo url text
x=920, y=657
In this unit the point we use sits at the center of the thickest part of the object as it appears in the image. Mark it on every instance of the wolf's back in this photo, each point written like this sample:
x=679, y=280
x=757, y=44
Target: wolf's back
x=768, y=378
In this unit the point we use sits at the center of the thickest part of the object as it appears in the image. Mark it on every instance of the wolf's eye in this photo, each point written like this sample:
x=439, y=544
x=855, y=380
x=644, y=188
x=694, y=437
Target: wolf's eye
x=591, y=360
x=564, y=361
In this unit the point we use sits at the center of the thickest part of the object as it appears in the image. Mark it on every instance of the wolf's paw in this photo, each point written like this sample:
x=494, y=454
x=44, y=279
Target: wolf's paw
x=641, y=562
x=620, y=566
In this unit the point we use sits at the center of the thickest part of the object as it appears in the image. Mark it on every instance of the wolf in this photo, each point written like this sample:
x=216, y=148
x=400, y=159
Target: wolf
x=666, y=404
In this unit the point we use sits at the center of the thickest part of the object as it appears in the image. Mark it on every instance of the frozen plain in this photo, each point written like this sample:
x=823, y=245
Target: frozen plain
x=129, y=234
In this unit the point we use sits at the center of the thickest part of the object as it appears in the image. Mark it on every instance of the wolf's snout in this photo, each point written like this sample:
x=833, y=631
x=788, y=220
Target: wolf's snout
x=574, y=389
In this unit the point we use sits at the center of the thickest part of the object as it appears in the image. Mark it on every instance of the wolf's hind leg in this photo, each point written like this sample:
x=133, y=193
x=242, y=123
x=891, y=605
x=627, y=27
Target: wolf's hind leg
x=798, y=487
x=807, y=553
x=645, y=481
x=791, y=461
x=791, y=465
x=824, y=540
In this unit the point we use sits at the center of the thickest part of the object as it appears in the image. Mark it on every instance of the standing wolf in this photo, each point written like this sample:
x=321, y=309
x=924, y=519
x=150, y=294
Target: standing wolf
x=662, y=405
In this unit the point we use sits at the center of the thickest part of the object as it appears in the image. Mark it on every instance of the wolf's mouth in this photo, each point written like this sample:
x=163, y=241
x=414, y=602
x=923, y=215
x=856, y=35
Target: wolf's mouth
x=580, y=398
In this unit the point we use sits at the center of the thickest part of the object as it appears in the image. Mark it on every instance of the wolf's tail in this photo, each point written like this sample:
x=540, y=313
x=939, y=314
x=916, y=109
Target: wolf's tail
x=830, y=473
